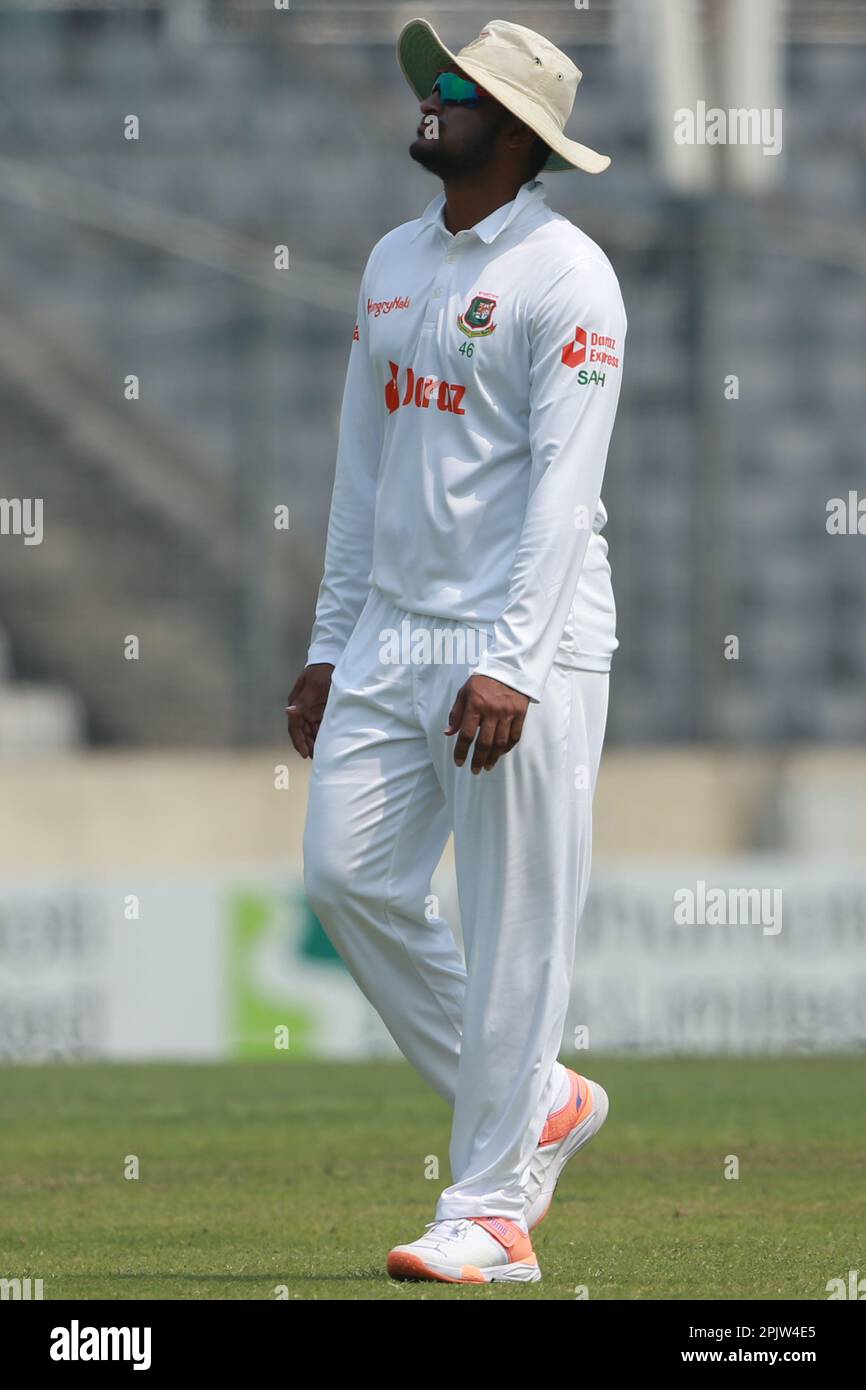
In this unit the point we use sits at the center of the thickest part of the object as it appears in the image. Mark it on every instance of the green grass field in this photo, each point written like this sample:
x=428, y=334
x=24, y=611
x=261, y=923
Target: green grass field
x=301, y=1174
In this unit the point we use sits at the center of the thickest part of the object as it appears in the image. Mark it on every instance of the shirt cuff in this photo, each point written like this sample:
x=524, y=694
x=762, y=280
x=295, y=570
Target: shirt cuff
x=323, y=652
x=489, y=666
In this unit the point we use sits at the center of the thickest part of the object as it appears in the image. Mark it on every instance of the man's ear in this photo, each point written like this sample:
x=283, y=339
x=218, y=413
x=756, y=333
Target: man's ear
x=519, y=136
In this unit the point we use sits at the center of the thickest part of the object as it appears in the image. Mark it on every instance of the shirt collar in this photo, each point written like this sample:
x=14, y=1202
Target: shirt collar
x=489, y=227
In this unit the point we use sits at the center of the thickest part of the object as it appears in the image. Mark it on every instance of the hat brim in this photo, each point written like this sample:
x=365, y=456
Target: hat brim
x=421, y=55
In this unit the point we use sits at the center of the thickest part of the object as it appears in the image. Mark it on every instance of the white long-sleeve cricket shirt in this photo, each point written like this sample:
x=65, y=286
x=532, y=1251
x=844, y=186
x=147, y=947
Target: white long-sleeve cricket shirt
x=479, y=402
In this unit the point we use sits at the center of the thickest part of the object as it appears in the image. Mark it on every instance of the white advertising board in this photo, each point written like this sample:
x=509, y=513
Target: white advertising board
x=758, y=955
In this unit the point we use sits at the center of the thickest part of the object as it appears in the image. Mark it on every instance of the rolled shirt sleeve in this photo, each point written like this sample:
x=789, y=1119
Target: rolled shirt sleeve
x=577, y=334
x=349, y=550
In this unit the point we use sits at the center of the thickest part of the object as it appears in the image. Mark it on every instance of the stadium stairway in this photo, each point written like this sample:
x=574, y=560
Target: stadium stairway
x=138, y=540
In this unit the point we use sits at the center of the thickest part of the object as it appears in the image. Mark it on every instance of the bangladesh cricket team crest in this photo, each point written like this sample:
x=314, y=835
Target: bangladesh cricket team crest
x=477, y=320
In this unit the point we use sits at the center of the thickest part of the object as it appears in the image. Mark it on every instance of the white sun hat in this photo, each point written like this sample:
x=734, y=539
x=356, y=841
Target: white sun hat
x=532, y=78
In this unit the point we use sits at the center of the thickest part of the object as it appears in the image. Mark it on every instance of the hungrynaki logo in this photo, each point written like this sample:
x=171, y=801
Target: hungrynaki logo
x=601, y=349
x=423, y=391
x=384, y=306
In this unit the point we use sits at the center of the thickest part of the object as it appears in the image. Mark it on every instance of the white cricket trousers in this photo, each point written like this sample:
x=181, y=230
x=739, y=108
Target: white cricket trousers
x=385, y=793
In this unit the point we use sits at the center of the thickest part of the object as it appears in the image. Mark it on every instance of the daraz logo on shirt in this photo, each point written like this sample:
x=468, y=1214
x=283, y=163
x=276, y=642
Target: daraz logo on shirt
x=419, y=391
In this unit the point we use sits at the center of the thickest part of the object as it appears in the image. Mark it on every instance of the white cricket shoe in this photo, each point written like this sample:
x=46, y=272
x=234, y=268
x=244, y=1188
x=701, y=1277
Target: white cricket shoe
x=471, y=1250
x=566, y=1131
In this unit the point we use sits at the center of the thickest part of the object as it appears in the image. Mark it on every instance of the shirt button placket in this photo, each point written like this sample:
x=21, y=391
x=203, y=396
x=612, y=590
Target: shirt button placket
x=438, y=291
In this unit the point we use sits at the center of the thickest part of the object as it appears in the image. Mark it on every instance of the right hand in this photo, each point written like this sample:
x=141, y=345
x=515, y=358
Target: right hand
x=307, y=705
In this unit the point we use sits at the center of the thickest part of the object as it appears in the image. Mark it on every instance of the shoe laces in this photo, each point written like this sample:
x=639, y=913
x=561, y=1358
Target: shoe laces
x=452, y=1228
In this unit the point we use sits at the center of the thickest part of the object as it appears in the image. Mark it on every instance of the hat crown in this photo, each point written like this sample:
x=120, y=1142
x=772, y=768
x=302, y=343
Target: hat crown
x=529, y=61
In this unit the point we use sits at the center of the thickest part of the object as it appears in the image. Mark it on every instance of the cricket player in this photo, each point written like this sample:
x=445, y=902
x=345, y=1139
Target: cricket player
x=457, y=677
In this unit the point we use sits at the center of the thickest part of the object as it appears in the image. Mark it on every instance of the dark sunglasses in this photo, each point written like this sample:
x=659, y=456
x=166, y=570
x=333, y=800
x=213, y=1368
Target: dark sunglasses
x=457, y=90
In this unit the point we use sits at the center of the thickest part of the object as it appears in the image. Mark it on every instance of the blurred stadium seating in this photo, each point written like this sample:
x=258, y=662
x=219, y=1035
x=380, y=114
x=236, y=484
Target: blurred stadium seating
x=155, y=257
x=35, y=719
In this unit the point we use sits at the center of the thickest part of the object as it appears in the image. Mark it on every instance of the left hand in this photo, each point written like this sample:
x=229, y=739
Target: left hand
x=491, y=710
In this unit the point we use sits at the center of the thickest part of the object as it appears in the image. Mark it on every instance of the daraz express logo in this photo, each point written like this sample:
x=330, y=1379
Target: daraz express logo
x=600, y=350
x=575, y=352
x=422, y=391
